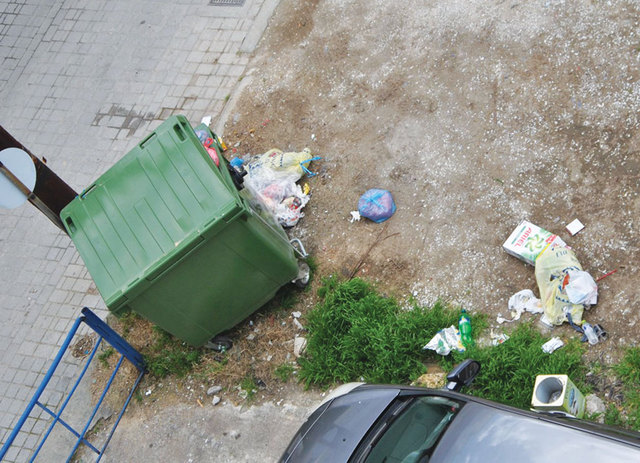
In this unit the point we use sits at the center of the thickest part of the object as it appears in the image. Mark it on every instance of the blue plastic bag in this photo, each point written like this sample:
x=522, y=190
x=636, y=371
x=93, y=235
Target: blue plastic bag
x=376, y=205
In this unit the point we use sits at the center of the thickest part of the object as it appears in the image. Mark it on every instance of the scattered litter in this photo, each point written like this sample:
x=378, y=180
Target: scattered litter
x=236, y=162
x=272, y=178
x=313, y=136
x=296, y=314
x=299, y=345
x=199, y=403
x=553, y=269
x=464, y=328
x=445, y=340
x=210, y=141
x=234, y=434
x=148, y=392
x=528, y=241
x=298, y=324
x=590, y=333
x=206, y=120
x=214, y=390
x=602, y=277
x=251, y=337
x=215, y=401
x=581, y=288
x=498, y=338
x=552, y=345
x=519, y=303
x=575, y=227
x=376, y=205
x=355, y=216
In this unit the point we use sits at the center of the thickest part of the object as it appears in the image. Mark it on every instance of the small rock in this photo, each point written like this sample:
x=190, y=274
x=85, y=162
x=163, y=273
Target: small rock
x=251, y=337
x=214, y=390
x=595, y=405
x=432, y=380
x=299, y=344
x=216, y=401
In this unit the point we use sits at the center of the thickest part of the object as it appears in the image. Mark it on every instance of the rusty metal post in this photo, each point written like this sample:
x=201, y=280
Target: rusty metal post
x=50, y=194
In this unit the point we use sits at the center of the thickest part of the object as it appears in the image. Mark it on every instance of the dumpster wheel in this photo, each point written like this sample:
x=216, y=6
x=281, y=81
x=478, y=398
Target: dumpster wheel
x=304, y=275
x=219, y=343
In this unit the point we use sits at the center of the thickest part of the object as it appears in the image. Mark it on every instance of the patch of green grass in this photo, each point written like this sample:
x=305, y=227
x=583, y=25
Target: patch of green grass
x=508, y=371
x=357, y=334
x=613, y=417
x=127, y=320
x=628, y=370
x=169, y=355
x=250, y=387
x=104, y=356
x=283, y=372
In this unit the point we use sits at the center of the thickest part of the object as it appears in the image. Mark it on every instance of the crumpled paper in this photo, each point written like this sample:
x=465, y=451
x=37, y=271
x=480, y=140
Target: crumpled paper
x=520, y=302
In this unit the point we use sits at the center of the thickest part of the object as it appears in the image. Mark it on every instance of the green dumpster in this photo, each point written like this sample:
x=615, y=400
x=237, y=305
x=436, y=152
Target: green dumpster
x=166, y=233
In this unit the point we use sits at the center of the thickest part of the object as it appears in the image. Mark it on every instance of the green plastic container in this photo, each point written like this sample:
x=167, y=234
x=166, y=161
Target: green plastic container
x=166, y=234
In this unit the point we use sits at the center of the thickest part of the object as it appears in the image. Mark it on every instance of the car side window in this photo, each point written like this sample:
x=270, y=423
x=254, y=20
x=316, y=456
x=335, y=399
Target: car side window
x=411, y=436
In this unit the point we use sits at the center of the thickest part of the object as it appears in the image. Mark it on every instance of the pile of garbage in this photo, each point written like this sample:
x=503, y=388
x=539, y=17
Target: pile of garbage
x=273, y=178
x=566, y=290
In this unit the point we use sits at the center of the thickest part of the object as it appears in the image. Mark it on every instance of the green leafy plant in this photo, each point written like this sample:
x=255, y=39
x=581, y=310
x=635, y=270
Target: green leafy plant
x=250, y=387
x=169, y=355
x=613, y=417
x=628, y=370
x=357, y=334
x=283, y=372
x=105, y=355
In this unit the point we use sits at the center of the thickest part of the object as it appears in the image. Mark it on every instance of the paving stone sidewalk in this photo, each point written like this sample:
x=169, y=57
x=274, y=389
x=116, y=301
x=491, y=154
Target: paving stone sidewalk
x=81, y=82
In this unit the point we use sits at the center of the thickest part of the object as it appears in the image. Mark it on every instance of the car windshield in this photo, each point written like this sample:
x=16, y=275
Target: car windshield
x=411, y=436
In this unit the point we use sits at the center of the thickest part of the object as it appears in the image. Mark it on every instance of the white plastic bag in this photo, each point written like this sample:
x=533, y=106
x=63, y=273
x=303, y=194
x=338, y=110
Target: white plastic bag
x=519, y=303
x=552, y=345
x=445, y=340
x=582, y=288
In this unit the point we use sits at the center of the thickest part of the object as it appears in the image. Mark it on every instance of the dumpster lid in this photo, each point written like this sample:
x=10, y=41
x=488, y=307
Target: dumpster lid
x=148, y=209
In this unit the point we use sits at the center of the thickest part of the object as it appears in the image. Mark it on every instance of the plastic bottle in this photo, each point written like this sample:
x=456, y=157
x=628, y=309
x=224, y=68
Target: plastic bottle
x=464, y=325
x=590, y=333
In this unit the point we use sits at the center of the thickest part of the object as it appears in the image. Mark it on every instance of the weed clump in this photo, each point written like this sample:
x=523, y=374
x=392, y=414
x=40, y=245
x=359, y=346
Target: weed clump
x=355, y=334
x=169, y=355
x=628, y=370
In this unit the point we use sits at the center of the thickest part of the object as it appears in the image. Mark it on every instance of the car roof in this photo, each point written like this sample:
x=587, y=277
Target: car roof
x=482, y=433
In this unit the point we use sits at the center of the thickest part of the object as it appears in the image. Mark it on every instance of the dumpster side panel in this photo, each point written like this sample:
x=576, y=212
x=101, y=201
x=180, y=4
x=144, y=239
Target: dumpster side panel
x=219, y=283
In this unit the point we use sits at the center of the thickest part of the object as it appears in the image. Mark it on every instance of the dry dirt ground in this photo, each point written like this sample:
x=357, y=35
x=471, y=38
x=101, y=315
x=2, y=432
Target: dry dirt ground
x=475, y=115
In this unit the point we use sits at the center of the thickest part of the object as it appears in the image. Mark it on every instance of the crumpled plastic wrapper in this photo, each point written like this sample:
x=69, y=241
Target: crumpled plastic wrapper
x=445, y=341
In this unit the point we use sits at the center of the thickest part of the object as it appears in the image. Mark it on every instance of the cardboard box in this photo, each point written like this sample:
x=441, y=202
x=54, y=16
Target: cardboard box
x=557, y=393
x=528, y=241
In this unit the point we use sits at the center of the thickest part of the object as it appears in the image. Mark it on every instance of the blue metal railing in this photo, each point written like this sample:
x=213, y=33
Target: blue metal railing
x=121, y=346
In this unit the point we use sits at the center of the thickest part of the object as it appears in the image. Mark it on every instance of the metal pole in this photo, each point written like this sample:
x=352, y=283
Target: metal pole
x=50, y=194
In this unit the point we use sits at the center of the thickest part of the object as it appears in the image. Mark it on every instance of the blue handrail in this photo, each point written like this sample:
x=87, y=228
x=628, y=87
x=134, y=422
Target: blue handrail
x=105, y=332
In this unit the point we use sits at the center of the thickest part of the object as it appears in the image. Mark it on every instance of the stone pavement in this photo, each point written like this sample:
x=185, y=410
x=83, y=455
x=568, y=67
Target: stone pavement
x=81, y=82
